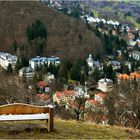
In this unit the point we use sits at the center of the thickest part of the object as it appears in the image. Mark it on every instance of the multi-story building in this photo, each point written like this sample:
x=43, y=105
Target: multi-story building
x=27, y=71
x=6, y=59
x=38, y=61
x=105, y=84
x=135, y=55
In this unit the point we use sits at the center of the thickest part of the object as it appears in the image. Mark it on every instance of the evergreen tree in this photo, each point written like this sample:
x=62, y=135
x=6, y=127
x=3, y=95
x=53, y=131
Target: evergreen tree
x=96, y=74
x=18, y=66
x=14, y=47
x=51, y=68
x=82, y=79
x=37, y=36
x=9, y=69
x=124, y=69
x=76, y=70
x=36, y=30
x=63, y=71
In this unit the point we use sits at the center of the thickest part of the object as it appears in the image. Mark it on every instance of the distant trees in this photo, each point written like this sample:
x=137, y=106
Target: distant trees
x=37, y=35
x=21, y=62
x=108, y=71
x=79, y=71
x=96, y=74
x=124, y=69
x=36, y=30
x=64, y=69
x=138, y=20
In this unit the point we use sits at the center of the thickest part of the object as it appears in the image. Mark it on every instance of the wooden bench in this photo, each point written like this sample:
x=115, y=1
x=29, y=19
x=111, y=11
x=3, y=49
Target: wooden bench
x=21, y=112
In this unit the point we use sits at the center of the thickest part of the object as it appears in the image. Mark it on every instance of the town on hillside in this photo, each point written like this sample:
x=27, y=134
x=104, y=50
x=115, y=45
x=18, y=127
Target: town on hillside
x=104, y=89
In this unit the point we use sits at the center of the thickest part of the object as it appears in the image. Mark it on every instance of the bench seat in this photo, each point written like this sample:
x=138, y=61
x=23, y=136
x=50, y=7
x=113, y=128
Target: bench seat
x=11, y=117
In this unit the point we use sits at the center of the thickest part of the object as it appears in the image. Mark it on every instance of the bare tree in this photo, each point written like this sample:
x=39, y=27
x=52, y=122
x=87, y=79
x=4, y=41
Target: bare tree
x=126, y=98
x=12, y=89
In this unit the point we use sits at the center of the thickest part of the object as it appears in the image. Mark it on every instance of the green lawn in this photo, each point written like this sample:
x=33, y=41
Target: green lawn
x=64, y=130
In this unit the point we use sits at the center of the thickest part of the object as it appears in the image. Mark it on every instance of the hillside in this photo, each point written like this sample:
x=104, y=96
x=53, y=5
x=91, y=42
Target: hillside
x=126, y=11
x=66, y=35
x=65, y=130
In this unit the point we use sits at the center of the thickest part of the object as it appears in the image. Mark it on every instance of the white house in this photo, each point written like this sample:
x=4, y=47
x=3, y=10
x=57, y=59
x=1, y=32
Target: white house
x=93, y=64
x=6, y=59
x=129, y=65
x=115, y=64
x=135, y=55
x=38, y=61
x=49, y=77
x=105, y=84
x=81, y=91
x=27, y=71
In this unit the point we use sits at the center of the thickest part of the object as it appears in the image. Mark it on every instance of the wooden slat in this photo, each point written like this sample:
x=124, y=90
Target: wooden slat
x=50, y=121
x=19, y=108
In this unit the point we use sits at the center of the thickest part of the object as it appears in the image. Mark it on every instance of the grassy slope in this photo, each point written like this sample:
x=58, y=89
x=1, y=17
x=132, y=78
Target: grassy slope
x=66, y=35
x=65, y=130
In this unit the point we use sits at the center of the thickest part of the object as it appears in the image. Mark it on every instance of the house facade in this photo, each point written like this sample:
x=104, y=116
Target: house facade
x=38, y=61
x=135, y=55
x=105, y=85
x=27, y=71
x=6, y=59
x=43, y=87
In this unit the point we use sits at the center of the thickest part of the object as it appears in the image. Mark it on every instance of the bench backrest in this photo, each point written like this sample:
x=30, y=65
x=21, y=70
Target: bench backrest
x=20, y=108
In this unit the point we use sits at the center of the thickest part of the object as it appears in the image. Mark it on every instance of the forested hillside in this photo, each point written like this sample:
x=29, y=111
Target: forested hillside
x=66, y=36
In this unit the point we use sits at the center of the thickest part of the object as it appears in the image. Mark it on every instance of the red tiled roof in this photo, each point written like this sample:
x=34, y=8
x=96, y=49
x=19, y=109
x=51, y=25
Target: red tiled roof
x=75, y=105
x=69, y=92
x=58, y=94
x=123, y=76
x=42, y=84
x=92, y=101
x=135, y=74
x=43, y=97
x=129, y=77
x=103, y=95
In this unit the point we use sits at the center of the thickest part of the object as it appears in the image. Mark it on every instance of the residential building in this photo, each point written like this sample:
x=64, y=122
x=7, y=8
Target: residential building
x=81, y=91
x=95, y=107
x=38, y=61
x=43, y=98
x=105, y=85
x=100, y=97
x=135, y=75
x=6, y=59
x=93, y=64
x=129, y=65
x=43, y=87
x=28, y=72
x=135, y=55
x=62, y=97
x=49, y=77
x=132, y=76
x=115, y=64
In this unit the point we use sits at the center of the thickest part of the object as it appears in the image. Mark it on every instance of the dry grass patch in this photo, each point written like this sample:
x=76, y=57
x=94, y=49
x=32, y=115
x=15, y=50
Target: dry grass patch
x=64, y=130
